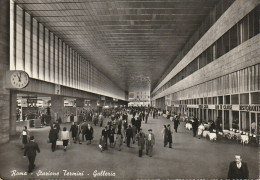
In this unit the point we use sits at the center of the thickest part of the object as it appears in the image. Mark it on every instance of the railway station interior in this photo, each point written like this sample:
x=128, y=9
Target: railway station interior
x=103, y=62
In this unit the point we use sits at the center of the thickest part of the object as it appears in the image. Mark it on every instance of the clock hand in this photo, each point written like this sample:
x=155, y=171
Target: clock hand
x=19, y=77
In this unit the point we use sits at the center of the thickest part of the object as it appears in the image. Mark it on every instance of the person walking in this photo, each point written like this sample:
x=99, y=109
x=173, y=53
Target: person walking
x=83, y=130
x=119, y=140
x=195, y=126
x=73, y=130
x=65, y=136
x=104, y=136
x=30, y=151
x=134, y=133
x=146, y=116
x=169, y=135
x=25, y=135
x=238, y=169
x=141, y=142
x=89, y=133
x=53, y=137
x=138, y=124
x=176, y=123
x=111, y=134
x=164, y=132
x=150, y=141
x=78, y=134
x=129, y=135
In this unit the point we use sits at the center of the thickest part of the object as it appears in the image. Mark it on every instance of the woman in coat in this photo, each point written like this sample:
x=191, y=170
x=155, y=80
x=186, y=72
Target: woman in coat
x=89, y=133
x=140, y=137
x=73, y=130
x=53, y=136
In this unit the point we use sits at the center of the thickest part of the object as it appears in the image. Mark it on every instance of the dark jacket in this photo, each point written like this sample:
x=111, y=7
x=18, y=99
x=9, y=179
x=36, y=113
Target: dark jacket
x=74, y=130
x=235, y=173
x=105, y=133
x=89, y=133
x=176, y=123
x=53, y=135
x=31, y=148
x=129, y=133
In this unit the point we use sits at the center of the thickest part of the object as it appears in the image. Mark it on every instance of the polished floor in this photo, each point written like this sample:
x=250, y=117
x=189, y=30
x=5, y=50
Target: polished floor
x=189, y=158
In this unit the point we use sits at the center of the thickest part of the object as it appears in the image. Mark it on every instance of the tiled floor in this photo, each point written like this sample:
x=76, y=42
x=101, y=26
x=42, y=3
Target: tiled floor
x=189, y=158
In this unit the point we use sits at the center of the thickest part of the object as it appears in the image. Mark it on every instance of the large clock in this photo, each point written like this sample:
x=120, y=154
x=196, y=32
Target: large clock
x=19, y=79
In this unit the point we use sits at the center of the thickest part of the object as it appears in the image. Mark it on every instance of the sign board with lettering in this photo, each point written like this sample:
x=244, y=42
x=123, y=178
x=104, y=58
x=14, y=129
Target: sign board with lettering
x=255, y=108
x=224, y=107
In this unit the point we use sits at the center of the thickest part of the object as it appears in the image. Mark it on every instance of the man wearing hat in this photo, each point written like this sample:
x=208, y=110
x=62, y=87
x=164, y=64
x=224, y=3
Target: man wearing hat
x=150, y=141
x=30, y=152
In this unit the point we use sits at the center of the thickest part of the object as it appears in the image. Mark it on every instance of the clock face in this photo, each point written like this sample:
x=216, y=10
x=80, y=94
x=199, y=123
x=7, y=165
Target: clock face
x=19, y=79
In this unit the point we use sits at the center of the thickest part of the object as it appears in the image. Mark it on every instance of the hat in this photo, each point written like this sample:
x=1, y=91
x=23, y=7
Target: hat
x=32, y=138
x=150, y=130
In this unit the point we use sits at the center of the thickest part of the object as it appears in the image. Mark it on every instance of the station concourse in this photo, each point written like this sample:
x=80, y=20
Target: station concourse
x=186, y=63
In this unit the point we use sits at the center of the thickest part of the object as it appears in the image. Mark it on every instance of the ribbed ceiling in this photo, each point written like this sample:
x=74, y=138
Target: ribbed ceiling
x=130, y=41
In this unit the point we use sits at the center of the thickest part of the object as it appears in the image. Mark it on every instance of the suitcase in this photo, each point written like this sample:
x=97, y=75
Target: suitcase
x=59, y=143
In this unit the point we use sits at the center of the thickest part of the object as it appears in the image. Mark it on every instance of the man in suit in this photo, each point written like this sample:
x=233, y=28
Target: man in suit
x=150, y=141
x=238, y=169
x=53, y=136
x=30, y=152
x=129, y=135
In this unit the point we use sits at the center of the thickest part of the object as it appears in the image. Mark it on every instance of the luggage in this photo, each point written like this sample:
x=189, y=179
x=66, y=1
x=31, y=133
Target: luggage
x=59, y=143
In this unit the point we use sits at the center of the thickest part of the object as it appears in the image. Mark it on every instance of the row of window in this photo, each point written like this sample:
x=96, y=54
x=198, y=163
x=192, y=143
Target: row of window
x=242, y=81
x=247, y=28
x=213, y=16
x=254, y=98
x=46, y=57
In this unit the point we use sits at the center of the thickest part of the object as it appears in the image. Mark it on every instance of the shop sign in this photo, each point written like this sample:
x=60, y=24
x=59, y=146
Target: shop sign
x=224, y=107
x=203, y=106
x=31, y=100
x=183, y=106
x=249, y=107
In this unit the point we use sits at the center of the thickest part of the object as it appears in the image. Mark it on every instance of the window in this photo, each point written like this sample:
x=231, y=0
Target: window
x=233, y=37
x=225, y=41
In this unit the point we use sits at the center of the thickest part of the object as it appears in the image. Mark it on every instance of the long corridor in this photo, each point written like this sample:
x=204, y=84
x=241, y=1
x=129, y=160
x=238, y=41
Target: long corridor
x=189, y=158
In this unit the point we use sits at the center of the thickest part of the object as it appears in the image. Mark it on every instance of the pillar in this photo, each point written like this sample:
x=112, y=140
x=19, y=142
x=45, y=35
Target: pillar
x=13, y=105
x=4, y=66
x=57, y=108
x=93, y=104
x=80, y=102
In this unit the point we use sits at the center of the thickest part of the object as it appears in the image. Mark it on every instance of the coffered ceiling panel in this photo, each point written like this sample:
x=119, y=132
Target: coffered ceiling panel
x=130, y=41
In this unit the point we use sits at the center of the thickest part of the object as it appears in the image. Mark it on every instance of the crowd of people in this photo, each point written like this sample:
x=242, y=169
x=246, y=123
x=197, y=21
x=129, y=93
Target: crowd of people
x=119, y=130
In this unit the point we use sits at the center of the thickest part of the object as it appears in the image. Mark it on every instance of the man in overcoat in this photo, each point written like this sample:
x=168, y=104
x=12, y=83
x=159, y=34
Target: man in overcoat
x=30, y=152
x=238, y=169
x=140, y=137
x=150, y=141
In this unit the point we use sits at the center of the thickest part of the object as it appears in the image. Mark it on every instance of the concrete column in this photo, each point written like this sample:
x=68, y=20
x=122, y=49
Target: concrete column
x=13, y=105
x=4, y=66
x=57, y=108
x=93, y=104
x=80, y=102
